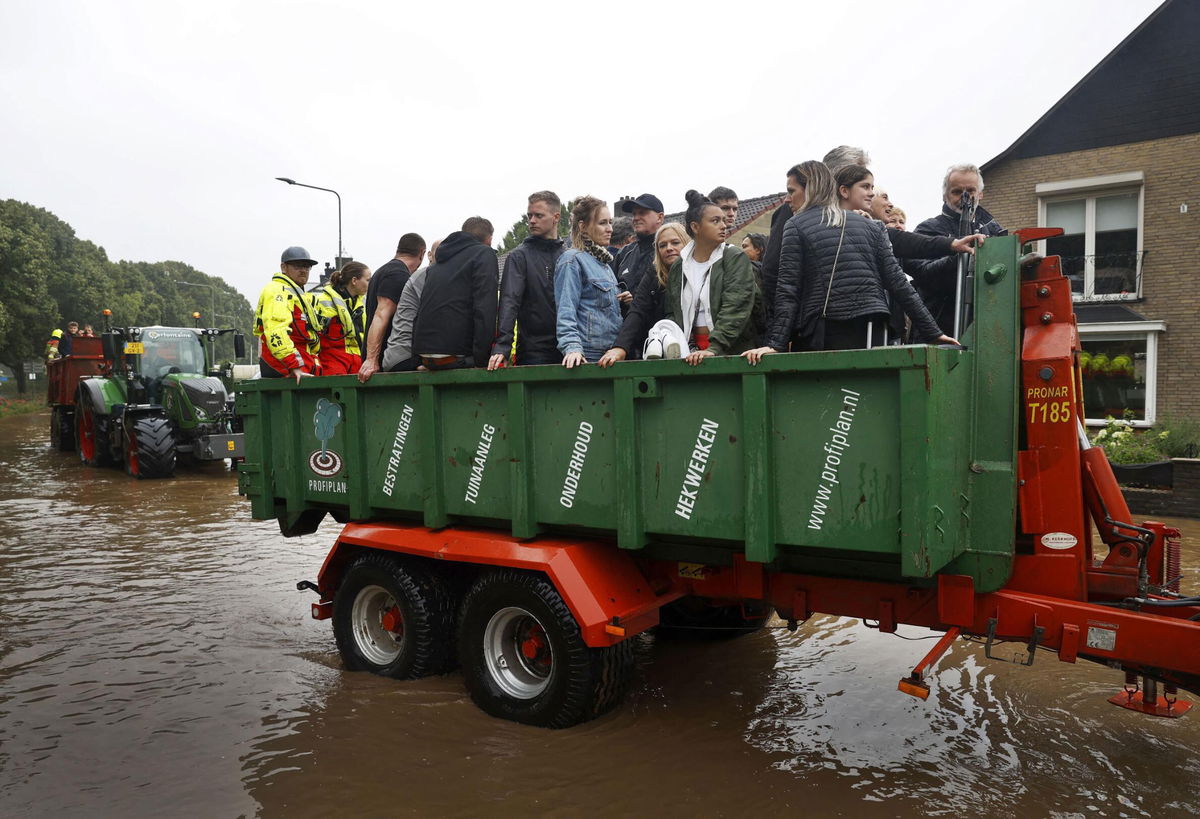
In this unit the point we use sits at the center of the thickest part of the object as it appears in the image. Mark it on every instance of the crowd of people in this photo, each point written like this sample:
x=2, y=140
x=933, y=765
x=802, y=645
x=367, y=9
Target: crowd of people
x=838, y=270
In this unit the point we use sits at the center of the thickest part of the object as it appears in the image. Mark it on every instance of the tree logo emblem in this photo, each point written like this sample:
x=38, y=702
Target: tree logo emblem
x=325, y=462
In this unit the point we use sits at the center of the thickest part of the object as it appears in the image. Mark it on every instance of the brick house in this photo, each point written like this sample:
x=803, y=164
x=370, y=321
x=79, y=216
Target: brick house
x=1115, y=162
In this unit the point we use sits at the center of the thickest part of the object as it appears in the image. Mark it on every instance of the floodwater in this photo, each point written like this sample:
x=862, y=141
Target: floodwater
x=156, y=659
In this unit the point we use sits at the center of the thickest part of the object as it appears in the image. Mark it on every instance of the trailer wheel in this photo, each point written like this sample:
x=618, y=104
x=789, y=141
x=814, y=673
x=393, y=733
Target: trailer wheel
x=91, y=433
x=149, y=448
x=62, y=429
x=525, y=660
x=393, y=619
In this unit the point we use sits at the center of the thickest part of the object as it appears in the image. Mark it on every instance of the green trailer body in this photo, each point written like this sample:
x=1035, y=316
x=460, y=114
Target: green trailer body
x=894, y=463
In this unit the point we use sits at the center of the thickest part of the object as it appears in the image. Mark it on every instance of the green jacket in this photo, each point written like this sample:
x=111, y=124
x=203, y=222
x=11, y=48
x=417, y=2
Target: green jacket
x=733, y=296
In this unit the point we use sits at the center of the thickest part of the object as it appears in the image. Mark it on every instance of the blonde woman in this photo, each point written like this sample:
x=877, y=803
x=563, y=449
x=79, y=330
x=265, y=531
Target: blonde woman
x=585, y=287
x=649, y=302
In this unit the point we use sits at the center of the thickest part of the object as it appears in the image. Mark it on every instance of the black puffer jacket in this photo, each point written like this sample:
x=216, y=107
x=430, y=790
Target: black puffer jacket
x=527, y=296
x=935, y=280
x=866, y=268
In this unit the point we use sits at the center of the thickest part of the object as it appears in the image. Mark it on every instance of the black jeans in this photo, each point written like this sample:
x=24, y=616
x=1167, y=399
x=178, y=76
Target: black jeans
x=852, y=334
x=406, y=366
x=537, y=357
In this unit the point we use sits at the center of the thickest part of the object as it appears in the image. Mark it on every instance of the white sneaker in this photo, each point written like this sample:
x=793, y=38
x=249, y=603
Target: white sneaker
x=674, y=350
x=654, y=349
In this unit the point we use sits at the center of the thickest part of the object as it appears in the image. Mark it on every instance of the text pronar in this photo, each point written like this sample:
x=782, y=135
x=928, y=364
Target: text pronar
x=695, y=468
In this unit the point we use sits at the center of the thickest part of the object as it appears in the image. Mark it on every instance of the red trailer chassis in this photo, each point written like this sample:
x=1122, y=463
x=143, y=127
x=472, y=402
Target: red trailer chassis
x=1121, y=608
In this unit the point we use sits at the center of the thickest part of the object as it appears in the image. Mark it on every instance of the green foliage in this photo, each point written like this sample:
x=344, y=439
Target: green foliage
x=1125, y=445
x=26, y=268
x=20, y=406
x=520, y=230
x=49, y=276
x=1182, y=437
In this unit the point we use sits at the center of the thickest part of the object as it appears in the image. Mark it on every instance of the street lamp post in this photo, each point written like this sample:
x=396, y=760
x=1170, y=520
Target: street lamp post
x=340, y=254
x=214, y=295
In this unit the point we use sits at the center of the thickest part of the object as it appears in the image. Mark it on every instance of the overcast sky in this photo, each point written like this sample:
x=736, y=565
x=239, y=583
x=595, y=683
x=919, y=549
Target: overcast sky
x=157, y=129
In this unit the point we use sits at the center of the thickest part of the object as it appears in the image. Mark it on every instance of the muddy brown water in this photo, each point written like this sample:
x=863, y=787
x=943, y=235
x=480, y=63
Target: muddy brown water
x=155, y=659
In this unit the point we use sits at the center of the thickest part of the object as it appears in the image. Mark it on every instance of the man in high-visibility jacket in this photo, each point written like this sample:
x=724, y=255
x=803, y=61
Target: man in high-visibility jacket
x=285, y=321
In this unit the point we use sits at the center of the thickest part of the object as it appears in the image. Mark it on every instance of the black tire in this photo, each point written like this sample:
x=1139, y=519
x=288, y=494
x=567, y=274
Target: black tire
x=149, y=448
x=91, y=432
x=510, y=615
x=380, y=593
x=694, y=618
x=62, y=429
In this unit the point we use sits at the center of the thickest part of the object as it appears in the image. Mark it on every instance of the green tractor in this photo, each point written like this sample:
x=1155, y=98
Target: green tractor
x=160, y=395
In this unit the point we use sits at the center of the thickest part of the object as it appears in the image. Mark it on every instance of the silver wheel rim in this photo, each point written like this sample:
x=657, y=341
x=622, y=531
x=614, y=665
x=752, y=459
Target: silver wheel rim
x=507, y=641
x=374, y=641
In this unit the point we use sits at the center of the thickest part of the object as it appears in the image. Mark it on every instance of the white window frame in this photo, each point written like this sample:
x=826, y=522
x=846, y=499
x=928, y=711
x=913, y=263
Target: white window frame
x=1124, y=331
x=1088, y=189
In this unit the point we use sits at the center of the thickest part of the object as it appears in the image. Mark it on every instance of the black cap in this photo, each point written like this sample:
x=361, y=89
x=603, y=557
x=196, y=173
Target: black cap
x=647, y=200
x=296, y=253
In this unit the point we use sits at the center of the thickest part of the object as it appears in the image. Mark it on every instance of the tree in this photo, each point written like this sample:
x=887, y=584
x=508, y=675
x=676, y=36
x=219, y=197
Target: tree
x=48, y=275
x=25, y=274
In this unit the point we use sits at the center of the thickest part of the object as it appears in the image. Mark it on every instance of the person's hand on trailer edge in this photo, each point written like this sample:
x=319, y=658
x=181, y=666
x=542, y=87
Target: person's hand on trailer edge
x=367, y=369
x=299, y=373
x=945, y=339
x=967, y=244
x=698, y=356
x=754, y=356
x=574, y=360
x=497, y=362
x=612, y=357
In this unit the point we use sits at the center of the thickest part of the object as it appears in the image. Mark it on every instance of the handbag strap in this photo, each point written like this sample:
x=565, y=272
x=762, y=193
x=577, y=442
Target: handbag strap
x=836, y=256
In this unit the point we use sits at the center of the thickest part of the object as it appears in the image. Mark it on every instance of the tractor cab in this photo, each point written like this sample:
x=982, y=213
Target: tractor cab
x=169, y=351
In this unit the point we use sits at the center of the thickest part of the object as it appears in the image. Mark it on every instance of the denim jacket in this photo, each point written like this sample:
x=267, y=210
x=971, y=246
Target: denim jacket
x=589, y=316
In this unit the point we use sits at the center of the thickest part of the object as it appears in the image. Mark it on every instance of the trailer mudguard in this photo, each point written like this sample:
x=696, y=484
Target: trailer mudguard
x=605, y=590
x=102, y=393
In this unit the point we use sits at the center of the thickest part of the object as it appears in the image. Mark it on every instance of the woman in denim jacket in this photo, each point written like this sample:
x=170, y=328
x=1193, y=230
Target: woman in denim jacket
x=585, y=288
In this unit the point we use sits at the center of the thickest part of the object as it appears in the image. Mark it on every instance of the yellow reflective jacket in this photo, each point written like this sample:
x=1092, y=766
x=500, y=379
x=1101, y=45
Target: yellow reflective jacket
x=340, y=319
x=285, y=321
x=51, y=351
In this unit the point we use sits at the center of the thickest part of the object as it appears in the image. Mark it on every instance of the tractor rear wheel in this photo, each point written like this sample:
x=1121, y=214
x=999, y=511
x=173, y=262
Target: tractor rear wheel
x=91, y=432
x=394, y=619
x=62, y=429
x=524, y=658
x=149, y=448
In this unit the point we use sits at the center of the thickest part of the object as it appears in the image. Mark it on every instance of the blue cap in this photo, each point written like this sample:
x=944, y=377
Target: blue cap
x=647, y=200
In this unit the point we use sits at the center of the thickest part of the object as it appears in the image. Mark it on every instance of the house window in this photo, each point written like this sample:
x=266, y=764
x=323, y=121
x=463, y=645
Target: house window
x=1101, y=247
x=1119, y=365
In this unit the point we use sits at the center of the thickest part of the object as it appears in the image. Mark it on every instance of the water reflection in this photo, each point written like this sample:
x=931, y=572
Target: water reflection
x=155, y=658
